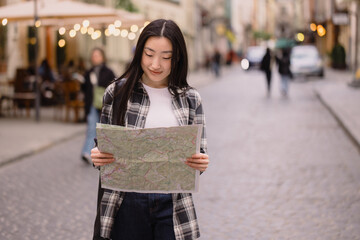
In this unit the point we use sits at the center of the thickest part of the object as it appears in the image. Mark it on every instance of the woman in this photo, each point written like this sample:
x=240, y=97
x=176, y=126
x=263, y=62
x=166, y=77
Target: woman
x=154, y=83
x=96, y=80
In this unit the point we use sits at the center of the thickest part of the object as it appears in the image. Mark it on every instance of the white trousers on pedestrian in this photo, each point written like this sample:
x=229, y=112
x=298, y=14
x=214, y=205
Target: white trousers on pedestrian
x=92, y=119
x=285, y=83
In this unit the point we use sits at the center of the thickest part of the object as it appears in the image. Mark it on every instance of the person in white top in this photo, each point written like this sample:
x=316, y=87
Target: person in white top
x=153, y=92
x=160, y=112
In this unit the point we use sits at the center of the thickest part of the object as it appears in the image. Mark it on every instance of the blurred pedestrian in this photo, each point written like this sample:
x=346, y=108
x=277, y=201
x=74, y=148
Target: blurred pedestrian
x=266, y=67
x=216, y=62
x=284, y=70
x=81, y=66
x=208, y=62
x=153, y=92
x=46, y=72
x=72, y=72
x=230, y=56
x=47, y=83
x=96, y=80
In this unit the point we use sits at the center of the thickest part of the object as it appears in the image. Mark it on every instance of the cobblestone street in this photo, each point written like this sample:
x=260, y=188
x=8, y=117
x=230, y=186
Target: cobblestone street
x=50, y=195
x=281, y=168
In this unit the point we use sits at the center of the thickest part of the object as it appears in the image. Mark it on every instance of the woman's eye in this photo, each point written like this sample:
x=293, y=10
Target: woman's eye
x=149, y=55
x=166, y=58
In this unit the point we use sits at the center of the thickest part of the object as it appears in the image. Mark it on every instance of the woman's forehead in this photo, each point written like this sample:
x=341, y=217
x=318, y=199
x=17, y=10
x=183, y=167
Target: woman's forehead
x=158, y=44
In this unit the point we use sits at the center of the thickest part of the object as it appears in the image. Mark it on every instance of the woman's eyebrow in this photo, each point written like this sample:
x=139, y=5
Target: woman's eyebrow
x=152, y=50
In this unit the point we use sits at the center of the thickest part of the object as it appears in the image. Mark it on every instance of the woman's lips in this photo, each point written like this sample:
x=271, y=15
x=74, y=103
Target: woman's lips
x=154, y=72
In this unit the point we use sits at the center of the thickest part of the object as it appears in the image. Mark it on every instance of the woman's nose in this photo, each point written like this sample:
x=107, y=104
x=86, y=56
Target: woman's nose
x=156, y=63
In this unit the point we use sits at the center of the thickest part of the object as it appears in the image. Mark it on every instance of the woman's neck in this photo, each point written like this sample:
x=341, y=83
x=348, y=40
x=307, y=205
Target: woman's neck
x=153, y=84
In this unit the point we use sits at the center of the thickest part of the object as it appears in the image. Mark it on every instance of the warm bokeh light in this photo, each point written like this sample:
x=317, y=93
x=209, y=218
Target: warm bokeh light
x=300, y=37
x=62, y=31
x=4, y=21
x=313, y=27
x=61, y=43
x=146, y=23
x=90, y=30
x=141, y=29
x=117, y=32
x=134, y=28
x=95, y=35
x=83, y=30
x=32, y=41
x=132, y=36
x=37, y=23
x=124, y=33
x=111, y=28
x=117, y=23
x=321, y=30
x=86, y=23
x=77, y=27
x=107, y=32
x=72, y=33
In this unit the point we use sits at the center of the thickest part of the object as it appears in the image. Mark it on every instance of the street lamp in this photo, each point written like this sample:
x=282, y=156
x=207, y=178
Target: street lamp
x=37, y=24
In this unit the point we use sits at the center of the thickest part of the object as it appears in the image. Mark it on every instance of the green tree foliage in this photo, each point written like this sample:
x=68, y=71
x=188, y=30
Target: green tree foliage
x=126, y=4
x=261, y=35
x=338, y=56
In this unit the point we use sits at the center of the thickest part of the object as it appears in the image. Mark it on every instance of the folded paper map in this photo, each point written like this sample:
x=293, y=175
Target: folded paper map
x=149, y=160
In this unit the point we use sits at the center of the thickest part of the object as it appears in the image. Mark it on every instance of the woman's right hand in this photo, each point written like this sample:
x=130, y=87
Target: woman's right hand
x=100, y=158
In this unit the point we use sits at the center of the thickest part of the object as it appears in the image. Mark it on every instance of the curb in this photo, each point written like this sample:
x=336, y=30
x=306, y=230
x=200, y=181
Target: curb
x=333, y=113
x=37, y=150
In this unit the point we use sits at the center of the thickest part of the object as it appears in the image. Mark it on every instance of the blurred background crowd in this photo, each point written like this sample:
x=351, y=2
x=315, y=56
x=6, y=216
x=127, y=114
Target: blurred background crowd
x=51, y=46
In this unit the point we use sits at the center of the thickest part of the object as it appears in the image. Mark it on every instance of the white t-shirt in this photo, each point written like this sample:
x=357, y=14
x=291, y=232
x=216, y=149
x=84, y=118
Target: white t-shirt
x=161, y=113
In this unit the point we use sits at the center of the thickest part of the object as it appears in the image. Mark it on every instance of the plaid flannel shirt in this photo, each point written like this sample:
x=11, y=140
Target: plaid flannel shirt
x=188, y=110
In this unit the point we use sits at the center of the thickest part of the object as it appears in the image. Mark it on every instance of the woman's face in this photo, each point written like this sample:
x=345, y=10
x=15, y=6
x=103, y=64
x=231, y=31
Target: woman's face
x=97, y=58
x=156, y=62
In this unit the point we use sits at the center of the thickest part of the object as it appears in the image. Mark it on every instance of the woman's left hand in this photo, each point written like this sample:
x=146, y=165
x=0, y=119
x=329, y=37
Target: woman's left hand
x=199, y=161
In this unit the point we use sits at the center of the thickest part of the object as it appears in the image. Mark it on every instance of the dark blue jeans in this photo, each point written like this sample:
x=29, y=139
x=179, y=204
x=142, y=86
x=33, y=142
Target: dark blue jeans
x=144, y=217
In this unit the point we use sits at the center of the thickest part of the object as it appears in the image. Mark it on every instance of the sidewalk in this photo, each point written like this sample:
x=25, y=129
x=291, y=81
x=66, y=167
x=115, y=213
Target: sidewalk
x=21, y=136
x=342, y=100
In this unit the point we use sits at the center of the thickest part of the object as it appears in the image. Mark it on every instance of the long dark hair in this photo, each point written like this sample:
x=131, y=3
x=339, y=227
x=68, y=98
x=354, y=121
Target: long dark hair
x=177, y=80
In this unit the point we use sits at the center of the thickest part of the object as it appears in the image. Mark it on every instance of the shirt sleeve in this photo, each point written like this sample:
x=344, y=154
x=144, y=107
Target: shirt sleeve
x=106, y=111
x=200, y=119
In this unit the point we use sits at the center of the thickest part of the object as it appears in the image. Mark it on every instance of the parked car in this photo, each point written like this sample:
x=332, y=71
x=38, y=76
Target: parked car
x=306, y=61
x=253, y=57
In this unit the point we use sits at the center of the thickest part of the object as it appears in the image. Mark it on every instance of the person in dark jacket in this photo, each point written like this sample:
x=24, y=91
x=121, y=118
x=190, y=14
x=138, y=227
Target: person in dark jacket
x=96, y=80
x=266, y=67
x=284, y=70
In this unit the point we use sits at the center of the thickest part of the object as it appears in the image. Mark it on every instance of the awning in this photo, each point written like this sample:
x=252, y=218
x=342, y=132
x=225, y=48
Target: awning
x=285, y=43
